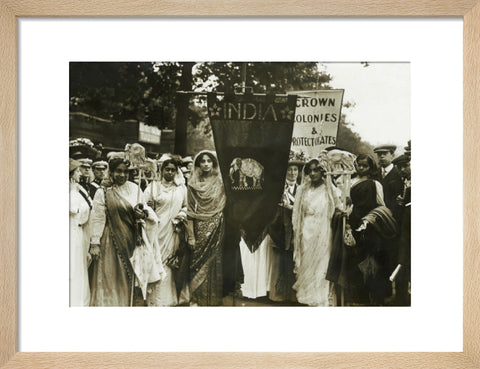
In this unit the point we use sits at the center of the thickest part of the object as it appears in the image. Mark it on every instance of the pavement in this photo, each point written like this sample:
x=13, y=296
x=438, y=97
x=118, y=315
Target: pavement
x=229, y=301
x=241, y=301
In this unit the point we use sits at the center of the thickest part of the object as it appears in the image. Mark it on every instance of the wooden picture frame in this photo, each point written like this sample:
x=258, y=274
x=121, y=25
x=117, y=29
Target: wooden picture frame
x=10, y=10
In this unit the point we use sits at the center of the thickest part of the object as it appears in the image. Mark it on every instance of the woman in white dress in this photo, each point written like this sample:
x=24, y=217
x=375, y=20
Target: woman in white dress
x=80, y=205
x=168, y=197
x=314, y=206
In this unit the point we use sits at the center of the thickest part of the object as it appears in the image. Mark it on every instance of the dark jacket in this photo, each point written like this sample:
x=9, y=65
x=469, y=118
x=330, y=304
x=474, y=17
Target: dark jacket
x=392, y=187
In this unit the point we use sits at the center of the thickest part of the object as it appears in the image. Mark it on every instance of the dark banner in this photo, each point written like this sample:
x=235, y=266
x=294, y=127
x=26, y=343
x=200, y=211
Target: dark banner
x=252, y=136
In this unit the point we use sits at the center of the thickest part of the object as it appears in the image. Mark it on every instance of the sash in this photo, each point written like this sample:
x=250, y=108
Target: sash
x=290, y=195
x=86, y=196
x=123, y=226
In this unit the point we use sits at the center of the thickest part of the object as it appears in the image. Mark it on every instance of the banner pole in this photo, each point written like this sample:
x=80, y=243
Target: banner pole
x=244, y=76
x=140, y=175
x=346, y=187
x=222, y=93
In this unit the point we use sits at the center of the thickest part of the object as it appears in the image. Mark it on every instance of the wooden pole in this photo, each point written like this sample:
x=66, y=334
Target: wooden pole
x=244, y=76
x=181, y=121
x=345, y=193
x=140, y=176
x=181, y=105
x=200, y=93
x=154, y=184
x=344, y=221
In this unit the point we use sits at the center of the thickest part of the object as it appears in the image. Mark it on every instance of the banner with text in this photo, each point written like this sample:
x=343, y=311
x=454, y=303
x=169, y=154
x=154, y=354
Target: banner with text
x=252, y=136
x=317, y=116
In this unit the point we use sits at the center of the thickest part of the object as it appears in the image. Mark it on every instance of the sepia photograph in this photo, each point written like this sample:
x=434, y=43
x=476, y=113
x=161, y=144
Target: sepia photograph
x=248, y=175
x=240, y=184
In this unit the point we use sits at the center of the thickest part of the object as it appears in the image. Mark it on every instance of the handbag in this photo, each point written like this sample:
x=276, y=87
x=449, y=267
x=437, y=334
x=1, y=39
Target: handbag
x=348, y=238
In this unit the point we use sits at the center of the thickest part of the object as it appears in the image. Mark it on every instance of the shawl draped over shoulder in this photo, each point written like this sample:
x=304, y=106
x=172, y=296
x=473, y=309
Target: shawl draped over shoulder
x=206, y=201
x=206, y=195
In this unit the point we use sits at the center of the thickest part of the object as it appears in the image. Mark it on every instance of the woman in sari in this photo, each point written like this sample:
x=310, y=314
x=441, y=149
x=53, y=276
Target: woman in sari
x=368, y=280
x=168, y=198
x=313, y=210
x=80, y=205
x=206, y=201
x=115, y=233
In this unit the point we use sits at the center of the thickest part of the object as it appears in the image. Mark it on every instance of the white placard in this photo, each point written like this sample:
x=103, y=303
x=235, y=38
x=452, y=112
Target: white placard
x=317, y=116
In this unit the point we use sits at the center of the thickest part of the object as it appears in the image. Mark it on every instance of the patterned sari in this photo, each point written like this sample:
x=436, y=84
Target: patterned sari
x=206, y=200
x=113, y=272
x=206, y=284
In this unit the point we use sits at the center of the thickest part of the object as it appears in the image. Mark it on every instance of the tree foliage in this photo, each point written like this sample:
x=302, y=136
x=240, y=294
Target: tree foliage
x=267, y=77
x=120, y=91
x=146, y=91
x=350, y=140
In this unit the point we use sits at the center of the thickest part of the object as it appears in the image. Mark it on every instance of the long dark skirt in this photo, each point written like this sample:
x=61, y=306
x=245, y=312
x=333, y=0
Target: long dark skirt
x=282, y=276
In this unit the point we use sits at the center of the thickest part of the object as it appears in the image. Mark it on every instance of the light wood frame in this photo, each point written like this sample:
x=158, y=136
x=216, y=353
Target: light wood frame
x=10, y=10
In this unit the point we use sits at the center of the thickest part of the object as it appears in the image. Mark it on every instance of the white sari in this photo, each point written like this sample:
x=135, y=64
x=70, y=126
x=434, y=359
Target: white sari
x=170, y=201
x=312, y=215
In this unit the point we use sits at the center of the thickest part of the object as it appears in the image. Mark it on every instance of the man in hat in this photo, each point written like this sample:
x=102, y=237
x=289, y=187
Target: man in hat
x=85, y=173
x=408, y=149
x=187, y=167
x=402, y=279
x=99, y=169
x=403, y=165
x=389, y=176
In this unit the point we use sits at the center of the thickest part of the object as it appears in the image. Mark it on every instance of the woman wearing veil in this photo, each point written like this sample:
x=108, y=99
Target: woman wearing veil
x=168, y=197
x=206, y=200
x=313, y=210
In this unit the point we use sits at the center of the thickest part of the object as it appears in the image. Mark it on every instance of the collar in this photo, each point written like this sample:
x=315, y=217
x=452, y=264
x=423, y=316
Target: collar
x=387, y=169
x=290, y=183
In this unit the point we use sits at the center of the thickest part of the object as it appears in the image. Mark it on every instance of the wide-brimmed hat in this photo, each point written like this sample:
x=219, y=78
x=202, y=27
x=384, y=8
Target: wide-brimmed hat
x=82, y=148
x=296, y=158
x=74, y=164
x=298, y=163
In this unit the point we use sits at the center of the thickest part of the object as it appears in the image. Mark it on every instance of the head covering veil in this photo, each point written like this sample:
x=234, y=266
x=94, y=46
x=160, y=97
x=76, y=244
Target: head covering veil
x=206, y=194
x=333, y=194
x=179, y=179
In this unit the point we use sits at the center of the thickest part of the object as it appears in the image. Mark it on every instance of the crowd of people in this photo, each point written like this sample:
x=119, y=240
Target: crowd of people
x=320, y=250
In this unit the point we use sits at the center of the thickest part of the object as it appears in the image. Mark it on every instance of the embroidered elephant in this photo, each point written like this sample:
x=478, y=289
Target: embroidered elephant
x=246, y=172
